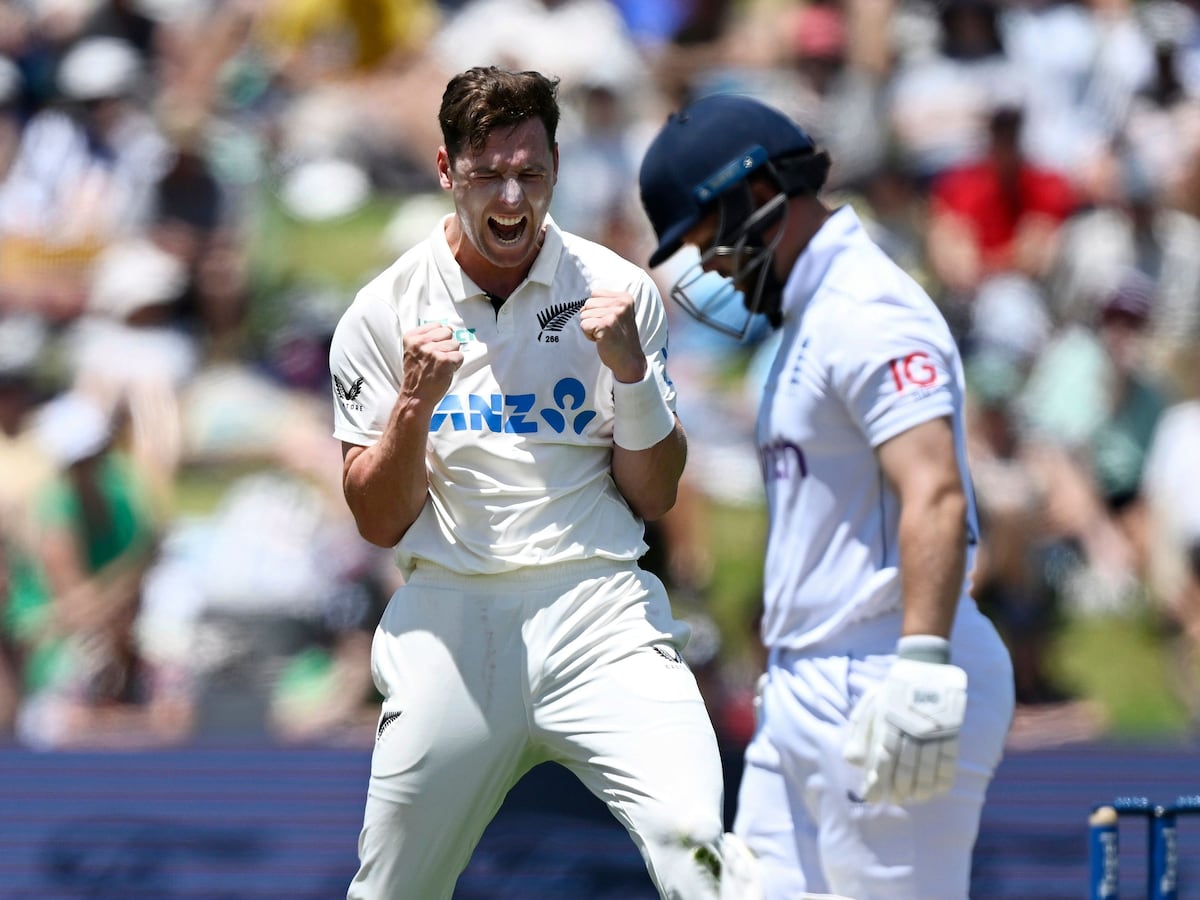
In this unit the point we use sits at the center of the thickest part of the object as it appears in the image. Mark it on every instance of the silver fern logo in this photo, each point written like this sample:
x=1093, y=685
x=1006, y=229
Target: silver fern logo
x=554, y=319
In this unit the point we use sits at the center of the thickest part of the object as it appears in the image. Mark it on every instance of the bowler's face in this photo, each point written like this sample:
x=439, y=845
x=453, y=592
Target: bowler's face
x=502, y=193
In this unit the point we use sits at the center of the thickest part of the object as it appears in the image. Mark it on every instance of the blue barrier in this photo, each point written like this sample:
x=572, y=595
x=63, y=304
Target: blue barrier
x=245, y=822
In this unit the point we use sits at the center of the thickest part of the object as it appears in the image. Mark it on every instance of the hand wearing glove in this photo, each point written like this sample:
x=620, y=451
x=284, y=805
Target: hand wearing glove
x=904, y=732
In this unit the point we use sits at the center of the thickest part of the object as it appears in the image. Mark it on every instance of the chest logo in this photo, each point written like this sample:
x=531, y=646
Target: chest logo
x=553, y=319
x=517, y=413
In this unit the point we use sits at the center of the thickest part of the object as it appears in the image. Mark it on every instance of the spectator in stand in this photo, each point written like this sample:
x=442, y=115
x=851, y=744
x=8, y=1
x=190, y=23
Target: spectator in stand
x=574, y=39
x=842, y=65
x=130, y=353
x=1175, y=324
x=1090, y=407
x=599, y=169
x=87, y=681
x=1163, y=122
x=943, y=86
x=1009, y=579
x=999, y=215
x=1082, y=61
x=84, y=175
x=1125, y=227
x=24, y=469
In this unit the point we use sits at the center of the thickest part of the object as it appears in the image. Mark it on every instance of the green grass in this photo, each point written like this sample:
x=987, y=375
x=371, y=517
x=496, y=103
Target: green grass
x=738, y=536
x=344, y=252
x=199, y=489
x=1125, y=663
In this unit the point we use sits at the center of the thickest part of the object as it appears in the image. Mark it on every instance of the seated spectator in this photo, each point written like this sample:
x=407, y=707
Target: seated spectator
x=324, y=693
x=23, y=471
x=1083, y=63
x=999, y=214
x=1126, y=227
x=130, y=353
x=83, y=175
x=1015, y=579
x=1162, y=125
x=87, y=682
x=1090, y=407
x=841, y=68
x=942, y=88
x=283, y=595
x=11, y=116
x=598, y=174
x=95, y=532
x=326, y=40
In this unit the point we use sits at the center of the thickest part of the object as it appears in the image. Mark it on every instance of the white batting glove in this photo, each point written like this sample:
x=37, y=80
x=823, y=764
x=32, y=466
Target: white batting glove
x=904, y=732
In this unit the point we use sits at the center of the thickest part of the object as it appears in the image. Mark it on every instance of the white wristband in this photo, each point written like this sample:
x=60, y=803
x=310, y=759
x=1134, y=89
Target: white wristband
x=924, y=647
x=642, y=417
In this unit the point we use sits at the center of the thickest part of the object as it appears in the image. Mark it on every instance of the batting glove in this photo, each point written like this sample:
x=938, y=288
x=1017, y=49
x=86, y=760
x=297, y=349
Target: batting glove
x=904, y=731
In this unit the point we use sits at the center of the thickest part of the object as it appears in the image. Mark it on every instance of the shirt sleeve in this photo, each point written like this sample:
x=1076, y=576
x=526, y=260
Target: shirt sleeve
x=652, y=327
x=366, y=365
x=892, y=368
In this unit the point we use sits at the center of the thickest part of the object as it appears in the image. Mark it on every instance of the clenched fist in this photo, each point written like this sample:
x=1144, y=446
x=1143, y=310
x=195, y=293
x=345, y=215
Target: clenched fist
x=607, y=319
x=431, y=357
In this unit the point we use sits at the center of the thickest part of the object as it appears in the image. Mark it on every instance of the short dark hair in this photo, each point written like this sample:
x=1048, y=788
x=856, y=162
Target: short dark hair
x=482, y=99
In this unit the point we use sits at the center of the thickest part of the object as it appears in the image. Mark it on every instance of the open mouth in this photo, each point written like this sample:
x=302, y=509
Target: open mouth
x=508, y=229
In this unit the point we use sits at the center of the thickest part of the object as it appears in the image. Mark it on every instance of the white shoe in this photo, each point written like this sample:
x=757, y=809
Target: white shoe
x=739, y=871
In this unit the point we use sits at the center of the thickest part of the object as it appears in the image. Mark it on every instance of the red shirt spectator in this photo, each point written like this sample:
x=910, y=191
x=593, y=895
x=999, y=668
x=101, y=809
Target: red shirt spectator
x=1008, y=207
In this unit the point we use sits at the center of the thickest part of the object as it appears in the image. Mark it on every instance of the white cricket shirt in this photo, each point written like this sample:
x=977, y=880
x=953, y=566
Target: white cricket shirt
x=865, y=355
x=520, y=447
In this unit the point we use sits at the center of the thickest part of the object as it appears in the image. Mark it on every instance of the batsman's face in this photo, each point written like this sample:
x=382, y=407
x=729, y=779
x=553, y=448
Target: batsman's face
x=502, y=193
x=716, y=256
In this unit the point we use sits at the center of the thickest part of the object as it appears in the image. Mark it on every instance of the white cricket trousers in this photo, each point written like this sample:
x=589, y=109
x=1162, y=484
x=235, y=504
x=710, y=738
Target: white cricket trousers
x=795, y=809
x=484, y=677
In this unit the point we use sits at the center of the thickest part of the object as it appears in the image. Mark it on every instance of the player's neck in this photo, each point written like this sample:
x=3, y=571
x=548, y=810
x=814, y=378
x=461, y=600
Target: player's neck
x=497, y=282
x=806, y=216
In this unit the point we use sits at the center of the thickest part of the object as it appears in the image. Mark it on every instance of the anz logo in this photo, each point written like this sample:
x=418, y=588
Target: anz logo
x=516, y=413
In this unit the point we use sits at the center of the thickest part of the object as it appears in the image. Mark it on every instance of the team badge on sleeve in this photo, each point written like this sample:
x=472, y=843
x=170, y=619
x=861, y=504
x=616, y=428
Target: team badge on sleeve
x=348, y=393
x=916, y=370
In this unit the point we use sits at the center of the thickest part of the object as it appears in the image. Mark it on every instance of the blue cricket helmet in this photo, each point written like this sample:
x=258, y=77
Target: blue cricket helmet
x=701, y=151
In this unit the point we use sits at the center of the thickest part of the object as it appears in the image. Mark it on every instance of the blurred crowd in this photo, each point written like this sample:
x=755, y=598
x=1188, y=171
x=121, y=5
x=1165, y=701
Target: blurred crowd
x=176, y=560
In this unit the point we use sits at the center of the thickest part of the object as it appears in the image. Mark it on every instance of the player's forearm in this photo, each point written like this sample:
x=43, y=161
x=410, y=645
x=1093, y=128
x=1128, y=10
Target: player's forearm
x=649, y=479
x=933, y=540
x=386, y=485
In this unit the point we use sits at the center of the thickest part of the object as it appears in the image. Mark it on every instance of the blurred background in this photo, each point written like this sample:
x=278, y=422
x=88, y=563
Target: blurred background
x=191, y=192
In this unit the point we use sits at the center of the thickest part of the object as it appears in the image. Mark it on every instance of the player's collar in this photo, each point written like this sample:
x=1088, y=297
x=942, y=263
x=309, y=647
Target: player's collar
x=460, y=285
x=546, y=264
x=457, y=282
